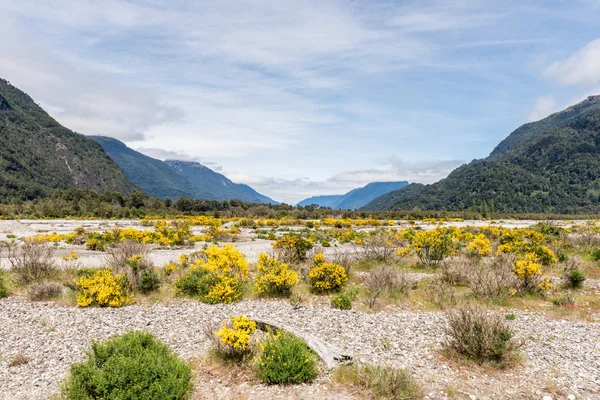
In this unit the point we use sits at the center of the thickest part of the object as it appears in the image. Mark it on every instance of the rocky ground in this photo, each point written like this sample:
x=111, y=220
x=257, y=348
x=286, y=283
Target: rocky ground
x=560, y=357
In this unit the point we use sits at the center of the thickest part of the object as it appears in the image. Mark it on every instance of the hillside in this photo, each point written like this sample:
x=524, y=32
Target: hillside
x=355, y=198
x=38, y=155
x=176, y=179
x=548, y=166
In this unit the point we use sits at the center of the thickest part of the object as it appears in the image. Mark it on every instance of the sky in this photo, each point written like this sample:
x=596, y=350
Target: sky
x=303, y=98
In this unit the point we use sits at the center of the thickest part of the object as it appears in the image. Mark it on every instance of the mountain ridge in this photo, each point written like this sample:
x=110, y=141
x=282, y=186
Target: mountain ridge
x=548, y=166
x=176, y=178
x=38, y=155
x=355, y=198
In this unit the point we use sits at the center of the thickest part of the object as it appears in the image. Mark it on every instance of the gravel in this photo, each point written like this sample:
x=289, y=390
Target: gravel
x=558, y=353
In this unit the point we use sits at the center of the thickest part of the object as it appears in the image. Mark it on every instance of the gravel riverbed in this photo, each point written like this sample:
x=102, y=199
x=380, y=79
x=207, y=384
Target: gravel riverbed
x=559, y=355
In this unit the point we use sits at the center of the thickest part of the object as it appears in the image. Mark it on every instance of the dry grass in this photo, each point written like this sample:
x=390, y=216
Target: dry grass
x=483, y=337
x=32, y=262
x=43, y=291
x=385, y=280
x=19, y=359
x=380, y=382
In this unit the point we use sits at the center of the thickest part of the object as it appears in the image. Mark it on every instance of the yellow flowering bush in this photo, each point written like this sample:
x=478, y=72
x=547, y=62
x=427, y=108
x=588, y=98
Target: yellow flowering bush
x=274, y=277
x=215, y=275
x=235, y=337
x=529, y=271
x=104, y=289
x=479, y=246
x=292, y=248
x=433, y=246
x=326, y=277
x=222, y=260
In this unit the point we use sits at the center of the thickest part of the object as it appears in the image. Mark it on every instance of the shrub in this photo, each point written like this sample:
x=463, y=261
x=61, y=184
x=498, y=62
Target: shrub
x=3, y=291
x=149, y=282
x=573, y=274
x=529, y=272
x=216, y=275
x=133, y=366
x=574, y=278
x=493, y=277
x=476, y=335
x=226, y=260
x=43, y=291
x=32, y=262
x=342, y=301
x=566, y=301
x=381, y=381
x=233, y=341
x=103, y=289
x=380, y=245
x=441, y=294
x=210, y=287
x=595, y=254
x=292, y=248
x=274, y=277
x=326, y=277
x=286, y=359
x=457, y=270
x=480, y=246
x=384, y=279
x=432, y=246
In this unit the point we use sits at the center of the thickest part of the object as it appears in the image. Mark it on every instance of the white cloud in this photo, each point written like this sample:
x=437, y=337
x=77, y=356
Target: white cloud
x=543, y=106
x=581, y=68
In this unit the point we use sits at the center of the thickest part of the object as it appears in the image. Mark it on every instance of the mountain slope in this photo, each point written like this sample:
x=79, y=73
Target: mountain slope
x=550, y=166
x=355, y=198
x=176, y=179
x=153, y=176
x=209, y=184
x=38, y=155
x=322, y=201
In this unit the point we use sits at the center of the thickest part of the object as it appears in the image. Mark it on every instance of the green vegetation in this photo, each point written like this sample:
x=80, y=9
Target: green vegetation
x=381, y=382
x=38, y=155
x=286, y=359
x=549, y=166
x=133, y=366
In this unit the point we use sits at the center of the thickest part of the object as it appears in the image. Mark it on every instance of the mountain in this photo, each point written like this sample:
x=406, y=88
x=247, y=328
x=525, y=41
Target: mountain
x=322, y=201
x=38, y=155
x=174, y=178
x=548, y=166
x=355, y=198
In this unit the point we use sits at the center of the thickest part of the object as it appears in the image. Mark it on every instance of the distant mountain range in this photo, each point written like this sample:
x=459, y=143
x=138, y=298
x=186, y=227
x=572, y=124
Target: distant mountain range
x=174, y=179
x=38, y=155
x=548, y=166
x=355, y=198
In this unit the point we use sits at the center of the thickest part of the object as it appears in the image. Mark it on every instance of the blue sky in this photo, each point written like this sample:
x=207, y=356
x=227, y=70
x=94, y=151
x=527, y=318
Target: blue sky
x=301, y=98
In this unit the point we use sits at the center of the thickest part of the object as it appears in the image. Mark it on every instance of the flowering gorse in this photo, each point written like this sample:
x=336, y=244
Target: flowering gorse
x=104, y=289
x=274, y=277
x=326, y=277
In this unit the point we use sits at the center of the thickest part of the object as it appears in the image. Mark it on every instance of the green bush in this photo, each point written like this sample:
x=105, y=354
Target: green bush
x=149, y=282
x=133, y=366
x=574, y=278
x=343, y=300
x=3, y=292
x=210, y=287
x=381, y=382
x=596, y=254
x=286, y=359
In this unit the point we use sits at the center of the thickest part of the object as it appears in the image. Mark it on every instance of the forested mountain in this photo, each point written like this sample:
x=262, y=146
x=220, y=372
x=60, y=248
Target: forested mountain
x=549, y=166
x=176, y=179
x=38, y=155
x=355, y=198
